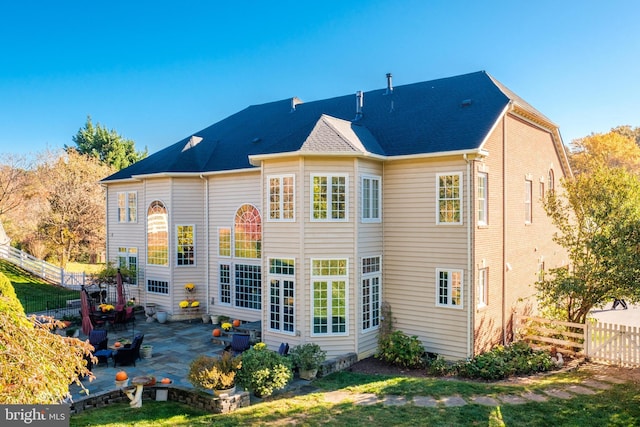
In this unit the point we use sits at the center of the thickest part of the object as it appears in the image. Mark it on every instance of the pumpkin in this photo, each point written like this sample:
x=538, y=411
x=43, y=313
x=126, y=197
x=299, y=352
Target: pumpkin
x=236, y=323
x=216, y=332
x=117, y=344
x=165, y=381
x=121, y=376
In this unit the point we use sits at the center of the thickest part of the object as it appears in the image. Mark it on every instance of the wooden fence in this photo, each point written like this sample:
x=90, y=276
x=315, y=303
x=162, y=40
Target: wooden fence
x=602, y=342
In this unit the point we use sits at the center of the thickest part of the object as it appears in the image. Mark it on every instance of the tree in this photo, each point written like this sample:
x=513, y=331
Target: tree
x=75, y=221
x=629, y=132
x=598, y=222
x=14, y=182
x=106, y=145
x=613, y=149
x=36, y=366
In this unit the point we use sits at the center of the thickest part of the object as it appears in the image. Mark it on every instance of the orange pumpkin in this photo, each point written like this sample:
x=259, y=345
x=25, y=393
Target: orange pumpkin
x=165, y=381
x=236, y=323
x=117, y=344
x=121, y=376
x=216, y=332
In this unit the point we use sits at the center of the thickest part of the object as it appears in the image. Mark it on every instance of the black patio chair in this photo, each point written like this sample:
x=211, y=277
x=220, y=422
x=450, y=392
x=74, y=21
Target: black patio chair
x=239, y=343
x=129, y=354
x=284, y=349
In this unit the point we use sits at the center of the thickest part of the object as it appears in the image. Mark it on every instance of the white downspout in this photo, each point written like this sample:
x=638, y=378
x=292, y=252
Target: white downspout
x=469, y=261
x=206, y=241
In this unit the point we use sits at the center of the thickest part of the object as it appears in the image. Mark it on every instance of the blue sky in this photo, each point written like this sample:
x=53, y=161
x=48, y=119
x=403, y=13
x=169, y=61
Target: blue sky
x=159, y=71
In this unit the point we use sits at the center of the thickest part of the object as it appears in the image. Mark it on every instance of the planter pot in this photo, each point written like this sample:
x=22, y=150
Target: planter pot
x=214, y=319
x=123, y=383
x=205, y=318
x=308, y=374
x=227, y=391
x=146, y=351
x=161, y=316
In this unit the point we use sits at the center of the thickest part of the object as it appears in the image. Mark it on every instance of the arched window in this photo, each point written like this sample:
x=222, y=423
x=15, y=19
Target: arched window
x=551, y=181
x=157, y=234
x=248, y=232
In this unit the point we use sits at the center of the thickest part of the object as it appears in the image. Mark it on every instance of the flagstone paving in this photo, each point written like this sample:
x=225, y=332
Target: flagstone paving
x=175, y=344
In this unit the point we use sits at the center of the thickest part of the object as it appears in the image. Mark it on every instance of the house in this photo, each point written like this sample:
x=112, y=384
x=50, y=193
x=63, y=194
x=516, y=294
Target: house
x=309, y=215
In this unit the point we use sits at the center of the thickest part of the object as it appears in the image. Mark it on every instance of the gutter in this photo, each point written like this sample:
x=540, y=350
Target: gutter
x=470, y=272
x=206, y=239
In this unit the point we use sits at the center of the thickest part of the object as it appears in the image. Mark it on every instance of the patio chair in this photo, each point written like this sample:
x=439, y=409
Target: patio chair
x=129, y=354
x=119, y=319
x=284, y=349
x=239, y=343
x=99, y=340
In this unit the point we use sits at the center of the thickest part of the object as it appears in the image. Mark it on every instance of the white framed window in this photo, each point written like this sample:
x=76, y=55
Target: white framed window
x=551, y=184
x=329, y=200
x=449, y=198
x=185, y=245
x=282, y=294
x=448, y=288
x=157, y=234
x=128, y=258
x=528, y=191
x=329, y=290
x=158, y=286
x=281, y=198
x=371, y=195
x=247, y=232
x=371, y=292
x=224, y=241
x=224, y=283
x=483, y=281
x=248, y=286
x=483, y=202
x=128, y=206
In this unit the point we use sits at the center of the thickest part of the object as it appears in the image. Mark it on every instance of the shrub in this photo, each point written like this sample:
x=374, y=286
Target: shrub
x=399, y=349
x=308, y=356
x=264, y=371
x=502, y=362
x=437, y=366
x=214, y=373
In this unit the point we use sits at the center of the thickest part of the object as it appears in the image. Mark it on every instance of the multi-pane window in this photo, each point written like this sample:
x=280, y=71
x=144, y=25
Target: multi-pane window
x=281, y=198
x=224, y=279
x=541, y=271
x=449, y=288
x=329, y=296
x=185, y=245
x=128, y=258
x=449, y=198
x=281, y=294
x=224, y=241
x=551, y=181
x=371, y=278
x=483, y=276
x=157, y=234
x=157, y=286
x=370, y=198
x=248, y=289
x=248, y=232
x=482, y=199
x=127, y=206
x=329, y=201
x=528, y=189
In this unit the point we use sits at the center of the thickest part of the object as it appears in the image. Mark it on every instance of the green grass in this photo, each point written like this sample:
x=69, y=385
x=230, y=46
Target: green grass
x=618, y=406
x=33, y=292
x=78, y=267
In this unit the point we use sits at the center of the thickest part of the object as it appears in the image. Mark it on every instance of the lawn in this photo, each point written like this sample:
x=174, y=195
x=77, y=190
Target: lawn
x=34, y=293
x=618, y=406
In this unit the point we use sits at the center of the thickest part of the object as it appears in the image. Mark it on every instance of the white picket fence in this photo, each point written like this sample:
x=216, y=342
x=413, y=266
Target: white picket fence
x=600, y=342
x=47, y=271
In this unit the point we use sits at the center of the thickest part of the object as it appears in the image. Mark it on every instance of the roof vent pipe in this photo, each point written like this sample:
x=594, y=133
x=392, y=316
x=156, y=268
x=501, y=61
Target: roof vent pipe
x=359, y=104
x=389, y=85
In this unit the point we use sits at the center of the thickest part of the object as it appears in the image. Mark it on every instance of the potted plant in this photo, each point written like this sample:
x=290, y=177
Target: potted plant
x=264, y=371
x=217, y=374
x=308, y=358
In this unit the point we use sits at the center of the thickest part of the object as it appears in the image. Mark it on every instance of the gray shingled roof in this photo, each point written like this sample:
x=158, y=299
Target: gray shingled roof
x=427, y=117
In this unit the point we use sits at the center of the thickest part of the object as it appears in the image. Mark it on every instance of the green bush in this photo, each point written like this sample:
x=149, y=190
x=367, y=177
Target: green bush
x=399, y=349
x=437, y=366
x=263, y=371
x=213, y=373
x=502, y=362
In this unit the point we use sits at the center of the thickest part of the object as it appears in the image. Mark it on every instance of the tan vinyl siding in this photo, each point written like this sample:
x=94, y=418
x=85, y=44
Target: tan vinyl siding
x=415, y=246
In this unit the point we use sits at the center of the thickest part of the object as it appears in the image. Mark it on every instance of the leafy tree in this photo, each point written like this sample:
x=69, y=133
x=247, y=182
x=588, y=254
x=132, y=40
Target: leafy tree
x=106, y=145
x=14, y=182
x=613, y=149
x=598, y=222
x=629, y=132
x=36, y=366
x=75, y=221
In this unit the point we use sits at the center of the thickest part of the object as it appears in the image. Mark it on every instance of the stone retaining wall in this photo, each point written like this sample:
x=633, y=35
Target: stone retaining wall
x=193, y=398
